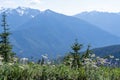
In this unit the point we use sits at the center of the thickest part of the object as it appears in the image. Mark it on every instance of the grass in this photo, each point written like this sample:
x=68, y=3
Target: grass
x=56, y=72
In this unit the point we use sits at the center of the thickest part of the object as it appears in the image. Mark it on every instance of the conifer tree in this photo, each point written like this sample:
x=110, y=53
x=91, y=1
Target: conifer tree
x=87, y=53
x=76, y=54
x=5, y=46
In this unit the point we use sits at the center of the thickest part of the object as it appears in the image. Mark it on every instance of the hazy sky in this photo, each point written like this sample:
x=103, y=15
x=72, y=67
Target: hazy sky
x=68, y=7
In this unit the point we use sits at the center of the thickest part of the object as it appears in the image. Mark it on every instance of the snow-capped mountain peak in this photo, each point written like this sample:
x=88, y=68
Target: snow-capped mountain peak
x=21, y=11
x=7, y=10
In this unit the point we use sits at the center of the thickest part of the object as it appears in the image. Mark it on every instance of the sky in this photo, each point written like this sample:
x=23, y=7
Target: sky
x=68, y=7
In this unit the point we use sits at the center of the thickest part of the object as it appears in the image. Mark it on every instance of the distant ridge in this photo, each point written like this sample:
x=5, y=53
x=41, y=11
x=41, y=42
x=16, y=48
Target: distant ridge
x=107, y=21
x=108, y=50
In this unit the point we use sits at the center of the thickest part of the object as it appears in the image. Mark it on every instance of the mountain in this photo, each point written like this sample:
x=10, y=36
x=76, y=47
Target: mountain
x=52, y=33
x=104, y=20
x=19, y=16
x=108, y=50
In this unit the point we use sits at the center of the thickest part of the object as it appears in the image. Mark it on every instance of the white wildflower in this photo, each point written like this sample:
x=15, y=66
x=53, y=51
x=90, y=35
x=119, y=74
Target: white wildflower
x=24, y=60
x=48, y=62
x=10, y=64
x=1, y=58
x=87, y=63
x=111, y=56
x=87, y=59
x=15, y=59
x=53, y=65
x=98, y=57
x=117, y=59
x=93, y=55
x=102, y=61
x=94, y=63
x=21, y=67
x=45, y=56
x=71, y=59
x=1, y=63
x=95, y=66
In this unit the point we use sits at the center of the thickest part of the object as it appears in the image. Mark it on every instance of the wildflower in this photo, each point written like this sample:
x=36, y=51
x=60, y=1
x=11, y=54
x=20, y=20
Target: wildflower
x=10, y=64
x=98, y=57
x=93, y=55
x=24, y=60
x=53, y=65
x=111, y=56
x=45, y=56
x=48, y=62
x=87, y=63
x=117, y=59
x=1, y=63
x=33, y=62
x=21, y=67
x=94, y=63
x=102, y=61
x=1, y=58
x=87, y=59
x=15, y=59
x=94, y=66
x=71, y=59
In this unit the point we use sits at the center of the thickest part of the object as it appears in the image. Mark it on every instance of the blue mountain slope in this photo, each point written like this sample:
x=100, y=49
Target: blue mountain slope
x=108, y=50
x=109, y=22
x=37, y=32
x=52, y=33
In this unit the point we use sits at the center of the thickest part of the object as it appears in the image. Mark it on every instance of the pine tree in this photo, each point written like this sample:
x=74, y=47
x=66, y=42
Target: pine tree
x=76, y=55
x=5, y=46
x=87, y=53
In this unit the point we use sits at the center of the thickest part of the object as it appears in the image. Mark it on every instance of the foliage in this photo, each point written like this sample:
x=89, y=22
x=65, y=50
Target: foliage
x=87, y=53
x=16, y=71
x=74, y=57
x=5, y=46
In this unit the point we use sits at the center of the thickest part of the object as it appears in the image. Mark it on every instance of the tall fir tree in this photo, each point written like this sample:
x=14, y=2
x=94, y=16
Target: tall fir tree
x=5, y=46
x=76, y=54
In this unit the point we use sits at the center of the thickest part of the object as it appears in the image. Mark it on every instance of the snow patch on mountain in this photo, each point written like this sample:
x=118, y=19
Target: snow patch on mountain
x=32, y=16
x=22, y=10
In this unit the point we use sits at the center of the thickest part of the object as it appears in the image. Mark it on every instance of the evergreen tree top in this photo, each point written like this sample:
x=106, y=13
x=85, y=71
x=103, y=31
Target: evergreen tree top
x=76, y=46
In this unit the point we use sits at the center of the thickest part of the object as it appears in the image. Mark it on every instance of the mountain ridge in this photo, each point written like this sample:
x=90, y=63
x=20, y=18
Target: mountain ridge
x=53, y=33
x=108, y=50
x=104, y=20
